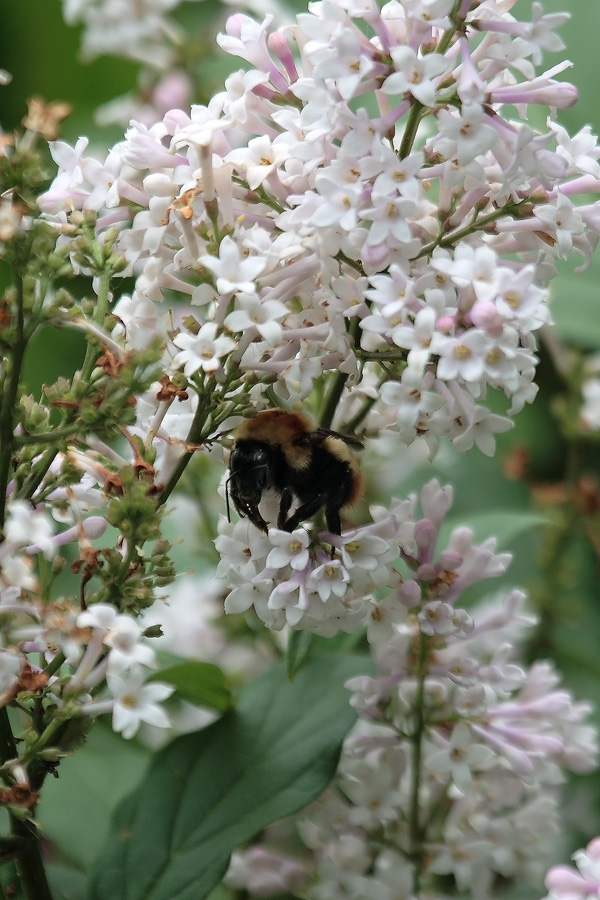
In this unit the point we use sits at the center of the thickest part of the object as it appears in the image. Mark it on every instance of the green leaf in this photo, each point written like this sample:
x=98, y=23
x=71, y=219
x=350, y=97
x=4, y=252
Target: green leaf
x=297, y=651
x=575, y=309
x=198, y=682
x=66, y=883
x=75, y=809
x=210, y=791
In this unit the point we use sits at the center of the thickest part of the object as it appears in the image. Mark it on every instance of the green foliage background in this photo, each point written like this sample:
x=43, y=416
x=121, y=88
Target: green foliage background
x=555, y=556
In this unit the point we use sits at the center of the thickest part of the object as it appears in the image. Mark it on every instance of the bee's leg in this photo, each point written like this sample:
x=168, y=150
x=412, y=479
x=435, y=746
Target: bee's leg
x=284, y=508
x=334, y=523
x=306, y=511
x=251, y=510
x=332, y=517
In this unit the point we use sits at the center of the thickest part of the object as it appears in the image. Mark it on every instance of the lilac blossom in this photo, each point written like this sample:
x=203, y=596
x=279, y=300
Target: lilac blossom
x=482, y=796
x=308, y=230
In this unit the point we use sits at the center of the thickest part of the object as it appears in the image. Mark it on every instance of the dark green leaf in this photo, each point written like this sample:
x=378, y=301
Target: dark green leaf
x=210, y=791
x=75, y=808
x=198, y=682
x=298, y=649
x=66, y=883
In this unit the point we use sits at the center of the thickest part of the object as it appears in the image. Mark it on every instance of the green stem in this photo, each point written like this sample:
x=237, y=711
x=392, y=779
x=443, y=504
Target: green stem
x=332, y=398
x=336, y=388
x=414, y=823
x=47, y=437
x=40, y=469
x=42, y=741
x=55, y=664
x=9, y=398
x=410, y=132
x=448, y=35
x=194, y=437
x=91, y=353
x=29, y=863
x=40, y=295
x=357, y=420
x=477, y=224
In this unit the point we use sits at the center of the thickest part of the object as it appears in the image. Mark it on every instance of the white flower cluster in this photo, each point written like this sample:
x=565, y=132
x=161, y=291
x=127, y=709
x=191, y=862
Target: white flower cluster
x=452, y=770
x=358, y=202
x=378, y=573
x=105, y=649
x=110, y=661
x=141, y=30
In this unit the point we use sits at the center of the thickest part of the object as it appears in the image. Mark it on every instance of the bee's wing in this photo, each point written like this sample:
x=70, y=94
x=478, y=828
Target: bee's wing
x=320, y=434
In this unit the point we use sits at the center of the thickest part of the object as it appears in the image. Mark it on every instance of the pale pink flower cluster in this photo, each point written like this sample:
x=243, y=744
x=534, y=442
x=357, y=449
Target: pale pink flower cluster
x=577, y=883
x=359, y=201
x=494, y=740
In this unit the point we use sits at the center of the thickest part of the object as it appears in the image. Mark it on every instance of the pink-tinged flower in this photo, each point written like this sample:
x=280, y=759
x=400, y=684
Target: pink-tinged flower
x=264, y=872
x=461, y=757
x=67, y=191
x=581, y=152
x=290, y=599
x=346, y=61
x=463, y=356
x=202, y=350
x=248, y=39
x=436, y=617
x=465, y=134
x=384, y=616
x=562, y=221
x=329, y=578
x=475, y=267
x=583, y=883
x=478, y=427
x=365, y=550
x=543, y=89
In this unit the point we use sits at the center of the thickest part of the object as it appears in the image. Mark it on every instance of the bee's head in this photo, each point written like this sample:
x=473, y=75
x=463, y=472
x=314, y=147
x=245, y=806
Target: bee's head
x=249, y=471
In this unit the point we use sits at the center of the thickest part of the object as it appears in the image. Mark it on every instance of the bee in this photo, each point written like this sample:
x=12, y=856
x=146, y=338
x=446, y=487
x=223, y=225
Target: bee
x=308, y=466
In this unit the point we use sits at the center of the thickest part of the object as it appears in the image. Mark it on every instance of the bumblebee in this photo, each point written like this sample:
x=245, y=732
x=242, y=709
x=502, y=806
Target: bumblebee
x=304, y=465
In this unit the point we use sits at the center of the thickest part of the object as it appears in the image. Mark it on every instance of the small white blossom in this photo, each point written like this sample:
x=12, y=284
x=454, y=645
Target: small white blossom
x=233, y=272
x=136, y=702
x=26, y=526
x=203, y=350
x=289, y=549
